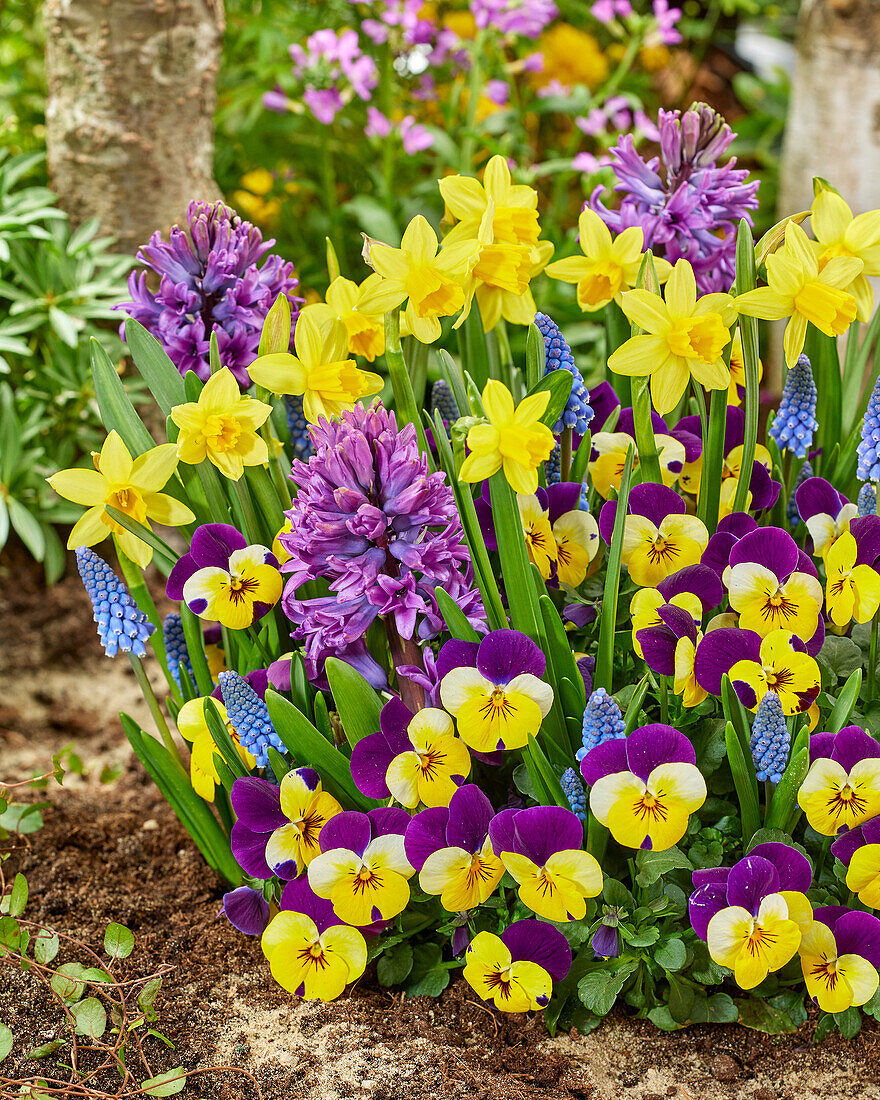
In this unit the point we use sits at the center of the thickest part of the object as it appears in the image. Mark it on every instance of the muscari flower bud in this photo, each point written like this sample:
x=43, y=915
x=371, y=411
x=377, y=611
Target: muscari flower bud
x=575, y=793
x=770, y=739
x=577, y=413
x=796, y=421
x=249, y=715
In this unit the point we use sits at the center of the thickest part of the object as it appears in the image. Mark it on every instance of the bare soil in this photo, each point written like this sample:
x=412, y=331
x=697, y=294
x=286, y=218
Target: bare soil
x=115, y=852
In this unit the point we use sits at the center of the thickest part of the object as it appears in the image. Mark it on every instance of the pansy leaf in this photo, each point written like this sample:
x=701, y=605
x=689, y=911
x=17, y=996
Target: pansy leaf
x=428, y=977
x=653, y=865
x=599, y=988
x=395, y=964
x=840, y=656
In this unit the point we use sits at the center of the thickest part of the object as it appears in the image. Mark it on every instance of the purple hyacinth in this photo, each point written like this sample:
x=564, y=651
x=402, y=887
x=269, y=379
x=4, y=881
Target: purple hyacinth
x=384, y=532
x=211, y=280
x=690, y=207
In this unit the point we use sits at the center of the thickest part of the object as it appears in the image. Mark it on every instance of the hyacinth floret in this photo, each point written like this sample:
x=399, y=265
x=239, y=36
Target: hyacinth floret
x=443, y=400
x=869, y=448
x=577, y=413
x=574, y=791
x=770, y=739
x=122, y=626
x=176, y=652
x=214, y=277
x=553, y=466
x=867, y=501
x=688, y=208
x=795, y=422
x=792, y=513
x=249, y=716
x=603, y=721
x=298, y=427
x=384, y=532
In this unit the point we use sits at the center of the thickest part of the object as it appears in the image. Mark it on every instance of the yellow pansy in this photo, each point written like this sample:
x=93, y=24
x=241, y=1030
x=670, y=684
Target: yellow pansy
x=514, y=439
x=834, y=980
x=754, y=946
x=129, y=485
x=316, y=965
x=738, y=371
x=851, y=591
x=838, y=233
x=193, y=726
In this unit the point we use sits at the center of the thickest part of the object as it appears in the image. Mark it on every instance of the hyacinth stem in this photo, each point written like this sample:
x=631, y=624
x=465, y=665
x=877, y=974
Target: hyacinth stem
x=565, y=454
x=646, y=444
x=405, y=651
x=872, y=656
x=746, y=279
x=404, y=398
x=713, y=460
x=155, y=710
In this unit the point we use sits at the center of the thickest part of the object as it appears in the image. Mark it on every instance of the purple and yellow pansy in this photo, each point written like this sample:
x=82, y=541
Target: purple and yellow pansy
x=517, y=969
x=778, y=662
x=840, y=954
x=193, y=727
x=842, y=788
x=859, y=851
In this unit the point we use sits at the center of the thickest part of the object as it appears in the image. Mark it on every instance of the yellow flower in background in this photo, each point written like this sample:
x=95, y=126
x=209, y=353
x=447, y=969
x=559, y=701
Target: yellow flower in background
x=222, y=427
x=252, y=200
x=838, y=233
x=800, y=291
x=320, y=373
x=501, y=219
x=129, y=485
x=608, y=265
x=431, y=283
x=366, y=331
x=738, y=371
x=570, y=56
x=193, y=727
x=514, y=440
x=685, y=336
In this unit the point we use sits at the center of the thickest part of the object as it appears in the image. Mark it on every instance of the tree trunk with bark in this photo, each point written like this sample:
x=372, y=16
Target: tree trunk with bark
x=130, y=113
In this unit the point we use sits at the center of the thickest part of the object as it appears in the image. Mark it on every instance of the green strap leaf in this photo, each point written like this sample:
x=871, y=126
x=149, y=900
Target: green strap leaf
x=454, y=617
x=155, y=367
x=358, y=704
x=745, y=783
x=846, y=700
x=117, y=411
x=603, y=674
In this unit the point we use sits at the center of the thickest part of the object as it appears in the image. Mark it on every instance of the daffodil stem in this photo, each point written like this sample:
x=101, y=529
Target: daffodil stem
x=155, y=710
x=746, y=280
x=565, y=454
x=872, y=656
x=217, y=504
x=252, y=524
x=404, y=398
x=649, y=460
x=713, y=461
x=328, y=178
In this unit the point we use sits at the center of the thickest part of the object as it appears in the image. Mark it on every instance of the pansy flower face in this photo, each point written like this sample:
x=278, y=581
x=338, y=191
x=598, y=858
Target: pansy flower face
x=671, y=650
x=225, y=580
x=658, y=538
x=859, y=851
x=541, y=848
x=362, y=868
x=608, y=459
x=310, y=953
x=516, y=970
x=757, y=665
x=278, y=828
x=540, y=542
x=575, y=533
x=645, y=787
x=840, y=953
x=766, y=587
x=842, y=787
x=414, y=758
x=752, y=915
x=852, y=591
x=694, y=589
x=193, y=727
x=451, y=850
x=826, y=513
x=498, y=699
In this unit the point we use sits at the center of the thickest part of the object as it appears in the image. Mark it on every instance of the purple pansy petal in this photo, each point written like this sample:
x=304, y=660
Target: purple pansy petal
x=717, y=553
x=298, y=897
x=504, y=654
x=658, y=648
x=704, y=903
x=350, y=829
x=765, y=491
x=183, y=569
x=655, y=502
x=456, y=654
x=541, y=943
x=461, y=937
x=607, y=516
x=768, y=546
x=579, y=615
x=626, y=422
x=426, y=834
x=821, y=744
x=278, y=674
x=845, y=846
x=213, y=544
x=370, y=759
x=857, y=933
x=737, y=524
x=702, y=581
x=734, y=428
x=257, y=804
x=816, y=496
x=542, y=830
x=679, y=621
x=562, y=497
x=866, y=531
x=705, y=875
x=470, y=812
x=793, y=868
x=607, y=758
x=247, y=910
x=605, y=942
x=814, y=645
x=805, y=564
x=487, y=524
x=650, y=746
x=388, y=819
x=851, y=745
x=719, y=651
x=603, y=401
x=394, y=720
x=750, y=880
x=690, y=424
x=693, y=444
x=249, y=849
x=502, y=833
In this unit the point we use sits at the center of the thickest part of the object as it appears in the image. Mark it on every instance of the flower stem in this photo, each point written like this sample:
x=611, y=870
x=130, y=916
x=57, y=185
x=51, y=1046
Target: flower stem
x=405, y=651
x=252, y=523
x=649, y=459
x=713, y=461
x=475, y=87
x=155, y=710
x=565, y=454
x=404, y=398
x=328, y=179
x=872, y=657
x=746, y=279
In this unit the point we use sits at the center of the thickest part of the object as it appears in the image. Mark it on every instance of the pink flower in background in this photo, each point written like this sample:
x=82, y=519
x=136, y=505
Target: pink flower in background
x=533, y=62
x=585, y=162
x=333, y=68
x=593, y=123
x=276, y=100
x=523, y=17
x=667, y=18
x=648, y=127
x=324, y=103
x=606, y=11
x=498, y=91
x=378, y=125
x=415, y=137
x=555, y=87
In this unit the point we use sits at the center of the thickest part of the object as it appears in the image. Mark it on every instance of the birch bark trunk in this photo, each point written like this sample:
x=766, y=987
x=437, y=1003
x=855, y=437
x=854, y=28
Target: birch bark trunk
x=130, y=112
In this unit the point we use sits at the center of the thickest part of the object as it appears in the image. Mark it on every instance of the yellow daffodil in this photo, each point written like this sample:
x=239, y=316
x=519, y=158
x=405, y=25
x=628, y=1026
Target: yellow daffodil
x=514, y=440
x=608, y=265
x=754, y=946
x=738, y=371
x=838, y=233
x=193, y=726
x=800, y=291
x=129, y=485
x=366, y=331
x=320, y=372
x=432, y=284
x=851, y=591
x=501, y=218
x=684, y=337
x=222, y=427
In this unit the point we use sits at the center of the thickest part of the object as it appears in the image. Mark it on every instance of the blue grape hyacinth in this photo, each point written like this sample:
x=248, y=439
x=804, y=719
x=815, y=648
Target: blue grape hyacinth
x=770, y=739
x=122, y=626
x=176, y=653
x=577, y=413
x=249, y=715
x=792, y=513
x=796, y=421
x=869, y=448
x=603, y=720
x=867, y=502
x=443, y=400
x=298, y=426
x=575, y=793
